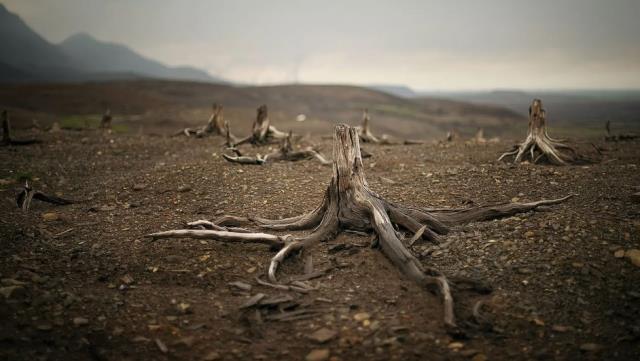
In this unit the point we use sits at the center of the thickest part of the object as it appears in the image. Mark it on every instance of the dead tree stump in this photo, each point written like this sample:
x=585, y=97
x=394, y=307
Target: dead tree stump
x=262, y=132
x=284, y=153
x=349, y=204
x=105, y=122
x=539, y=145
x=6, y=133
x=366, y=135
x=216, y=125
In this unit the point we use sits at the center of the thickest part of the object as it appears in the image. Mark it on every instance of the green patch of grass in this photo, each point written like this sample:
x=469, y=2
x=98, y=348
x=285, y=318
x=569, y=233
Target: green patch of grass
x=82, y=122
x=21, y=177
x=79, y=122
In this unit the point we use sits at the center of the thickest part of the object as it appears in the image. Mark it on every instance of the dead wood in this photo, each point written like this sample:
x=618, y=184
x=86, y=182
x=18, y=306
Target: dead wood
x=262, y=131
x=538, y=145
x=284, y=153
x=27, y=194
x=349, y=204
x=618, y=137
x=105, y=122
x=365, y=134
x=216, y=125
x=6, y=133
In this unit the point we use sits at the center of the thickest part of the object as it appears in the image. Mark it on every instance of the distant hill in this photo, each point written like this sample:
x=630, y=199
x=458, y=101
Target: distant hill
x=28, y=57
x=397, y=90
x=165, y=106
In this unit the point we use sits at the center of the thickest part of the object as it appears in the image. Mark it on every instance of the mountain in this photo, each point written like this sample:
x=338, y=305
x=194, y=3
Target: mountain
x=28, y=57
x=402, y=91
x=94, y=56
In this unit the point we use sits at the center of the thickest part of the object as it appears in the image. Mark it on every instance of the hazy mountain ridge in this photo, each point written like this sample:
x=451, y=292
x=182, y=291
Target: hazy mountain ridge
x=28, y=57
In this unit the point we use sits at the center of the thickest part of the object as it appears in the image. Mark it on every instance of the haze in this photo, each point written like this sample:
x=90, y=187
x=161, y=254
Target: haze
x=427, y=45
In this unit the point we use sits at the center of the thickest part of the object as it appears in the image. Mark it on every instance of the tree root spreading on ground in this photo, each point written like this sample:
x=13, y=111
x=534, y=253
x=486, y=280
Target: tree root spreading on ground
x=539, y=145
x=27, y=194
x=284, y=153
x=262, y=131
x=349, y=204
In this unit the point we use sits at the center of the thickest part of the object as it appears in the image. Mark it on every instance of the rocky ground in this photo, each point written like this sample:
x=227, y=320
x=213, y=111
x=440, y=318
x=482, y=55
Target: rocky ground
x=82, y=282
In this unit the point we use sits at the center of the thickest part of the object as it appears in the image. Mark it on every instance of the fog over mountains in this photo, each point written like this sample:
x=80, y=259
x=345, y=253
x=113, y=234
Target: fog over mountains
x=28, y=57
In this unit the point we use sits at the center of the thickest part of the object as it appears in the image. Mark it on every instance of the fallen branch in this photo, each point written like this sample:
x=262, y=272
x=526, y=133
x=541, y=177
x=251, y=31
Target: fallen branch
x=27, y=194
x=284, y=153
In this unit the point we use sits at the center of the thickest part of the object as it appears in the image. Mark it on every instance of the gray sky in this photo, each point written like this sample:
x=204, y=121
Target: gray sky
x=430, y=45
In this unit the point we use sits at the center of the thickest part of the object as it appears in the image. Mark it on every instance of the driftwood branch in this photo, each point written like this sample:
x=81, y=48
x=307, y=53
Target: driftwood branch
x=27, y=194
x=284, y=153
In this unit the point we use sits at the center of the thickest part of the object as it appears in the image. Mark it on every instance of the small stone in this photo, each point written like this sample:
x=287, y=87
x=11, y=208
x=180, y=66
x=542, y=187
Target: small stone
x=590, y=347
x=619, y=253
x=456, y=345
x=529, y=234
x=251, y=270
x=44, y=327
x=559, y=328
x=636, y=197
x=80, y=321
x=50, y=217
x=323, y=335
x=127, y=279
x=211, y=356
x=183, y=307
x=634, y=256
x=361, y=316
x=479, y=357
x=139, y=187
x=319, y=354
x=183, y=189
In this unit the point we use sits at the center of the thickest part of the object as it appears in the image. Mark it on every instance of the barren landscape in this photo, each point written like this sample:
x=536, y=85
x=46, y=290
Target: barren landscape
x=82, y=281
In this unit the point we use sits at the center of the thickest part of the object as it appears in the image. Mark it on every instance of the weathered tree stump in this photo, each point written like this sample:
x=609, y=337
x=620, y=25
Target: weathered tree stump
x=284, y=153
x=349, y=205
x=105, y=122
x=538, y=144
x=216, y=125
x=262, y=131
x=365, y=134
x=6, y=133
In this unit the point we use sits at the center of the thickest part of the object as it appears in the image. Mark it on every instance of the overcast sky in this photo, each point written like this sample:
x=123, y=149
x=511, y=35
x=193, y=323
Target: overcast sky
x=428, y=45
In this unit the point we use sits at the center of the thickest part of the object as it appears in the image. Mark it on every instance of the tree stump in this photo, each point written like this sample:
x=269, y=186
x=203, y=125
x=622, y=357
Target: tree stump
x=349, y=205
x=539, y=145
x=262, y=132
x=105, y=122
x=6, y=133
x=216, y=125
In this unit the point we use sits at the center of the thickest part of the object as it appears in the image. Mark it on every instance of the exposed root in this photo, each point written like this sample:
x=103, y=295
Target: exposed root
x=27, y=194
x=538, y=145
x=349, y=205
x=227, y=236
x=285, y=153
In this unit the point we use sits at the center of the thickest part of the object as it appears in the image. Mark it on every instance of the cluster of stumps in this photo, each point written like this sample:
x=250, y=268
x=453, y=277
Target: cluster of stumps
x=348, y=204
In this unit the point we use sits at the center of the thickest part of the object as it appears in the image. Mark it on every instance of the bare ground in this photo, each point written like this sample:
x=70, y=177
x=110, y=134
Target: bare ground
x=90, y=286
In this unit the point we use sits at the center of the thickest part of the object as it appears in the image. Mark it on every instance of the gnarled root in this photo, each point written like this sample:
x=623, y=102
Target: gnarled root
x=538, y=145
x=285, y=153
x=349, y=205
x=27, y=194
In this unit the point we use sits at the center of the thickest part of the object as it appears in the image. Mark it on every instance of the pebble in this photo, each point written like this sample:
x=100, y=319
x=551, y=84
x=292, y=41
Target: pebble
x=50, y=217
x=619, y=253
x=320, y=354
x=211, y=356
x=323, y=335
x=361, y=316
x=590, y=347
x=80, y=321
x=634, y=256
